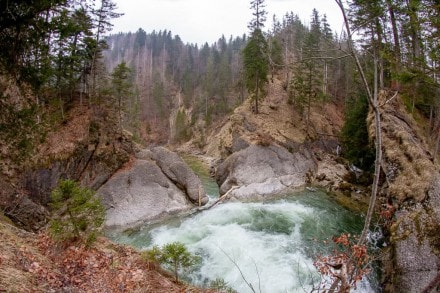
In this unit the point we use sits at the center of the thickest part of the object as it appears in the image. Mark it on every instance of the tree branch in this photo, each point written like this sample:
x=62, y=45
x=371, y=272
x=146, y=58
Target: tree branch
x=372, y=99
x=241, y=273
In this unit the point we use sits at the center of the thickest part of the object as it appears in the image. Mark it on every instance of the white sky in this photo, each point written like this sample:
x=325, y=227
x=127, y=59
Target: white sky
x=200, y=21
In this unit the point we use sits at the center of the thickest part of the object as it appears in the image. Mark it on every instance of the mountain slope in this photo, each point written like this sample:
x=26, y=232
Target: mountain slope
x=279, y=120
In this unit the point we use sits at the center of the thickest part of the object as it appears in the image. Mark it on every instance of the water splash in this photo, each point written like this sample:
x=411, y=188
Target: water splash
x=273, y=243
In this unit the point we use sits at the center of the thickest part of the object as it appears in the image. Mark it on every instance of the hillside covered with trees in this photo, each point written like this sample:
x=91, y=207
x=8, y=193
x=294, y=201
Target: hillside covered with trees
x=79, y=103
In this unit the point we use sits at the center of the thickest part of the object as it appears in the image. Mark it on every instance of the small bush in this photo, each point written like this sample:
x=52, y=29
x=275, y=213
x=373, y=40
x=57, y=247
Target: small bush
x=264, y=139
x=174, y=256
x=77, y=214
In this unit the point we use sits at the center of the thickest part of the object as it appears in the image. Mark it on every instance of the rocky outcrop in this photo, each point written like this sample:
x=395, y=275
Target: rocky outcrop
x=180, y=174
x=85, y=148
x=412, y=187
x=416, y=244
x=258, y=171
x=156, y=184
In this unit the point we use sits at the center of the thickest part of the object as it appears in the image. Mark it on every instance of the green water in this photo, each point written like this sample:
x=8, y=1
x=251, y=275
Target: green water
x=202, y=170
x=273, y=242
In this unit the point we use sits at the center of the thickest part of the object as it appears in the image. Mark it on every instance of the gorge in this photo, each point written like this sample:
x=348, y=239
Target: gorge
x=282, y=127
x=273, y=243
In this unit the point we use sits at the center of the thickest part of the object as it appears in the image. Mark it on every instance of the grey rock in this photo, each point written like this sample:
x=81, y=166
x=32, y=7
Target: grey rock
x=180, y=173
x=238, y=143
x=27, y=213
x=158, y=184
x=260, y=171
x=416, y=263
x=144, y=154
x=139, y=194
x=417, y=255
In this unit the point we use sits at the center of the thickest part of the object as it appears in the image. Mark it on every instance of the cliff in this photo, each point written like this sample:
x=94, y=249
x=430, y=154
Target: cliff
x=411, y=186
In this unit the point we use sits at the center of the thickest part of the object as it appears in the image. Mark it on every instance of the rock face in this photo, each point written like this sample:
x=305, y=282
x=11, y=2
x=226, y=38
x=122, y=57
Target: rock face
x=417, y=244
x=148, y=189
x=260, y=171
x=413, y=187
x=180, y=173
x=82, y=150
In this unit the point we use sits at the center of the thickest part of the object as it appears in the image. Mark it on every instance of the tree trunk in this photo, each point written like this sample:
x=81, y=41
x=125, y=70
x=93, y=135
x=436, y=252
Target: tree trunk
x=397, y=51
x=176, y=271
x=379, y=33
x=414, y=32
x=257, y=93
x=377, y=162
x=372, y=100
x=325, y=85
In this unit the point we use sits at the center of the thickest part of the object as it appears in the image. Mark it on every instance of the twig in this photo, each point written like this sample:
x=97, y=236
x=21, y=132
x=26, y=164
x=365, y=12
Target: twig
x=325, y=134
x=258, y=274
x=389, y=100
x=241, y=273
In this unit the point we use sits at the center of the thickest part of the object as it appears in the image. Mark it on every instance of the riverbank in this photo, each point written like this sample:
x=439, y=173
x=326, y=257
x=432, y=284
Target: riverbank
x=284, y=233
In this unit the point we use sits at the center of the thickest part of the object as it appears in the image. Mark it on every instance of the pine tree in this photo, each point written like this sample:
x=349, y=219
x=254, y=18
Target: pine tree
x=103, y=15
x=255, y=54
x=174, y=256
x=77, y=212
x=121, y=87
x=306, y=85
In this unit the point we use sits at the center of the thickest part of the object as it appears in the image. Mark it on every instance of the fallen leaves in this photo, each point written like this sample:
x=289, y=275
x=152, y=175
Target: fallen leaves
x=348, y=263
x=48, y=266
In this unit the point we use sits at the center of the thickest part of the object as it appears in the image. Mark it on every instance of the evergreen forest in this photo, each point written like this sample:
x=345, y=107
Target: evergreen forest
x=352, y=110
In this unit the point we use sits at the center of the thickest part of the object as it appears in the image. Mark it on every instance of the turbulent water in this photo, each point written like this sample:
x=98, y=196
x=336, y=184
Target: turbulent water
x=270, y=245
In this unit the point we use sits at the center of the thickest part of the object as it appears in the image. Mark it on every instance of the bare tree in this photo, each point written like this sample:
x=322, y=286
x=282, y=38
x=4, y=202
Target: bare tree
x=347, y=267
x=373, y=102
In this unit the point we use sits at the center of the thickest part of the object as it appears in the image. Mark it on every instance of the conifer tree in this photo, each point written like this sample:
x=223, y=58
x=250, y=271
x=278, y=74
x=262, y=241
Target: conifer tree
x=77, y=212
x=121, y=87
x=103, y=16
x=255, y=54
x=174, y=256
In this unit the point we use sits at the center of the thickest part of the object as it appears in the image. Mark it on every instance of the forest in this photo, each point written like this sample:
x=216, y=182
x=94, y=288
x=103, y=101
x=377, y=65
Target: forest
x=59, y=48
x=60, y=58
x=314, y=60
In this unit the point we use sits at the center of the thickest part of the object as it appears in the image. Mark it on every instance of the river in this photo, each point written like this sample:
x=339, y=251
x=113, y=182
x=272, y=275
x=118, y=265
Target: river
x=272, y=243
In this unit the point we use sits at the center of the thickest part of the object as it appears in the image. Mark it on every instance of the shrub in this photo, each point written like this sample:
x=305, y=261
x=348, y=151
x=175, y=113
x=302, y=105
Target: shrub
x=77, y=214
x=348, y=264
x=174, y=256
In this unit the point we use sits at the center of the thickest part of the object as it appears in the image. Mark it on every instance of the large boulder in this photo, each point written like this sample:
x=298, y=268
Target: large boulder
x=180, y=173
x=155, y=185
x=259, y=171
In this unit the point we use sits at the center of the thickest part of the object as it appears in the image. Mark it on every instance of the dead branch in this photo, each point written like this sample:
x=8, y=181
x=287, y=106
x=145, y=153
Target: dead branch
x=221, y=198
x=258, y=274
x=372, y=100
x=389, y=100
x=241, y=272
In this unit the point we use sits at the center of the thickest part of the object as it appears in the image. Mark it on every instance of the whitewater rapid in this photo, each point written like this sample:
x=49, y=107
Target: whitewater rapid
x=263, y=240
x=273, y=244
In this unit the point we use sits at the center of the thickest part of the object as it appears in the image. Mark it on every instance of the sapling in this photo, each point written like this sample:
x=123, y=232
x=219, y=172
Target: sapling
x=174, y=255
x=77, y=213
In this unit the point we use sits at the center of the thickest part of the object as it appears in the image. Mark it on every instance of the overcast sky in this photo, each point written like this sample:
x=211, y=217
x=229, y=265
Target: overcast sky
x=200, y=21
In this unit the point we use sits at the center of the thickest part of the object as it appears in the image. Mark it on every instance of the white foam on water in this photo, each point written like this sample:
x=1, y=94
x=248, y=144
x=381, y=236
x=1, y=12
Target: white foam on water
x=263, y=240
